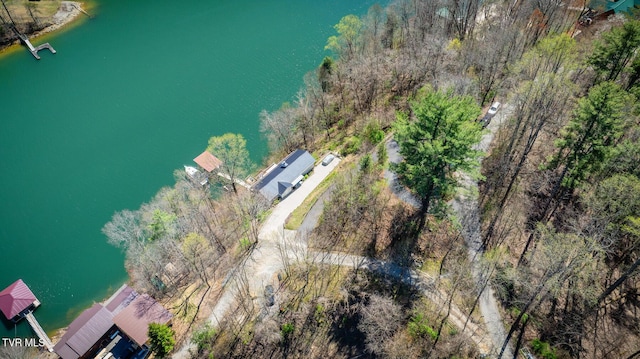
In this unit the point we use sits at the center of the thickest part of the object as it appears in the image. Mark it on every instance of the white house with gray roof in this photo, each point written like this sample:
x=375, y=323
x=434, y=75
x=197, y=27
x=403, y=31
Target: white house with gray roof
x=286, y=175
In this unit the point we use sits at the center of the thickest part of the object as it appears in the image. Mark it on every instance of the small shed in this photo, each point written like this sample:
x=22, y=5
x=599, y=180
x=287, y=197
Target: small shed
x=16, y=300
x=208, y=161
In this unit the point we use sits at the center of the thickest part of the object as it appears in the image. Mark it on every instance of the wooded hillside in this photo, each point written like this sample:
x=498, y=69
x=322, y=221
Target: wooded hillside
x=558, y=195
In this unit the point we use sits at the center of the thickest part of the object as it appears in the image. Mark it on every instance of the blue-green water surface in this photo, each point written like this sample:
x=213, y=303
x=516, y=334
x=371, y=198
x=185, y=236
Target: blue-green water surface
x=130, y=96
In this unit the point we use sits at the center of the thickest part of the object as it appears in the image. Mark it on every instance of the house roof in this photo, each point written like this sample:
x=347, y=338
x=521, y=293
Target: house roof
x=208, y=161
x=84, y=332
x=134, y=320
x=125, y=308
x=16, y=298
x=286, y=174
x=120, y=299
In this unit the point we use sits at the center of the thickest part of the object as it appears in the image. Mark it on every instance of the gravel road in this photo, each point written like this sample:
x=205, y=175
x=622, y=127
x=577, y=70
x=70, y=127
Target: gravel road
x=393, y=152
x=466, y=207
x=275, y=242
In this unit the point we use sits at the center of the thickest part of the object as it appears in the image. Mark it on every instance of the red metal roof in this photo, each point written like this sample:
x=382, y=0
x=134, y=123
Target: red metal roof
x=208, y=161
x=16, y=298
x=120, y=299
x=92, y=325
x=130, y=311
x=134, y=320
x=84, y=332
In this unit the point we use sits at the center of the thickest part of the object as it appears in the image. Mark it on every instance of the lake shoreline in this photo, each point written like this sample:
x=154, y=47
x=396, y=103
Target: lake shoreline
x=107, y=90
x=66, y=14
x=68, y=11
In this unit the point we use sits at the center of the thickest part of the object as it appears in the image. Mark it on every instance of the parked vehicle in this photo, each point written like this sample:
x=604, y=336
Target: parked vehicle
x=328, y=159
x=493, y=109
x=485, y=121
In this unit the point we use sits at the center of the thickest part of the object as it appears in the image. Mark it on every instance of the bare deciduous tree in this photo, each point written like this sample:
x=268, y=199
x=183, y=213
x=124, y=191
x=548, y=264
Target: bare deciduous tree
x=381, y=318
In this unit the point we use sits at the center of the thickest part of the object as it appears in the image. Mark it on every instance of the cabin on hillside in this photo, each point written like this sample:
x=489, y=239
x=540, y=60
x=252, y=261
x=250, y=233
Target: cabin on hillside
x=281, y=179
x=17, y=300
x=114, y=329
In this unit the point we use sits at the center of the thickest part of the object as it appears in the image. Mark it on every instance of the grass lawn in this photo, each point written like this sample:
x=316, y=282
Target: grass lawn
x=295, y=219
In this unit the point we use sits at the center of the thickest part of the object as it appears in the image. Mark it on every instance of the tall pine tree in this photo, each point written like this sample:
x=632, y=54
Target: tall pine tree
x=437, y=140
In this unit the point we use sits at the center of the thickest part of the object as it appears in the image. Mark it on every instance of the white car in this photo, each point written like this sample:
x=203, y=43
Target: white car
x=328, y=159
x=493, y=109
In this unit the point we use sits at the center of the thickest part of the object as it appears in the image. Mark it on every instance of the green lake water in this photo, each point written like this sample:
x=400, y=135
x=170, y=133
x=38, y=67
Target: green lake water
x=130, y=96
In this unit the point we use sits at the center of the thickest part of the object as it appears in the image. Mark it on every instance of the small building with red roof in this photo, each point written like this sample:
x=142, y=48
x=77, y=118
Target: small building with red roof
x=208, y=161
x=17, y=300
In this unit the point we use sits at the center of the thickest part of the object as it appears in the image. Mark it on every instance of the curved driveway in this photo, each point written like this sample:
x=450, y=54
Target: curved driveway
x=276, y=245
x=266, y=258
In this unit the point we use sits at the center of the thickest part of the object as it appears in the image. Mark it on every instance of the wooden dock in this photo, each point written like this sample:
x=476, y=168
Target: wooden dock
x=44, y=338
x=34, y=50
x=238, y=181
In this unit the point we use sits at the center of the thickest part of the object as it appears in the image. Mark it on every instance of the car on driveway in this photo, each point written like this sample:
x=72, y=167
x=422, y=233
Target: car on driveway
x=328, y=159
x=485, y=121
x=493, y=109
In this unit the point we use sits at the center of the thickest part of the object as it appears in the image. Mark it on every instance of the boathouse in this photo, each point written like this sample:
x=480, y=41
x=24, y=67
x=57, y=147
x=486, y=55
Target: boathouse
x=17, y=300
x=282, y=178
x=115, y=329
x=208, y=161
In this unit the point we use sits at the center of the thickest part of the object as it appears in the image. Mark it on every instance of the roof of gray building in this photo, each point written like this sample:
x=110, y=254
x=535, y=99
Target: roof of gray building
x=278, y=180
